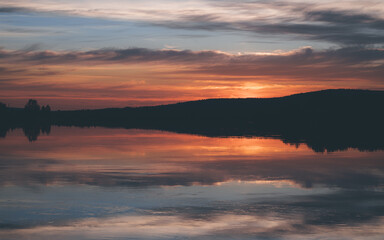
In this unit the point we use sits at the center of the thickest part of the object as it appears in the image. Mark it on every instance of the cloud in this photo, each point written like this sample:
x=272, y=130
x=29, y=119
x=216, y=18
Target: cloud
x=105, y=56
x=137, y=55
x=305, y=63
x=344, y=18
x=346, y=23
x=338, y=27
x=14, y=10
x=338, y=64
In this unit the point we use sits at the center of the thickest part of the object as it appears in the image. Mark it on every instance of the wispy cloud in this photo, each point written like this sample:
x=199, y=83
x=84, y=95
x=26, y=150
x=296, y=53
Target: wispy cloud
x=343, y=63
x=339, y=27
x=341, y=23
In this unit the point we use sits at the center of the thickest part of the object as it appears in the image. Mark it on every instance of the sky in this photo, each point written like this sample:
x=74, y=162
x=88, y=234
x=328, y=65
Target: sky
x=94, y=54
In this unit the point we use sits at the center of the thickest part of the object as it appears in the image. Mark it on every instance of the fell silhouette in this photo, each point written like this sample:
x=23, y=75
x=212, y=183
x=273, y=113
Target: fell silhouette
x=328, y=120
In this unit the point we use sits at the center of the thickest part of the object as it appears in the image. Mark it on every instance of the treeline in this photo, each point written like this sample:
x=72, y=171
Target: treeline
x=33, y=107
x=33, y=119
x=328, y=120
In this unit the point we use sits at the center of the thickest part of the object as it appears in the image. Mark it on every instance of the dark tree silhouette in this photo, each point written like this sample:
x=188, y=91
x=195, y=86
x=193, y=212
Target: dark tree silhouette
x=2, y=106
x=46, y=109
x=3, y=109
x=32, y=106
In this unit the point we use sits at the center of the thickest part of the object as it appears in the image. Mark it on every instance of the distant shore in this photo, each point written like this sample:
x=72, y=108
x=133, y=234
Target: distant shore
x=328, y=120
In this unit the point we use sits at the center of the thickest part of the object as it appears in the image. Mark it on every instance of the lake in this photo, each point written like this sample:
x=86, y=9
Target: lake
x=104, y=183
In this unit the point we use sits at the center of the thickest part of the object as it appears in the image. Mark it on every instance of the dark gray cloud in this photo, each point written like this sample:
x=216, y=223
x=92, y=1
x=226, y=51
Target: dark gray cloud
x=14, y=10
x=341, y=27
x=331, y=64
x=110, y=55
x=348, y=55
x=344, y=18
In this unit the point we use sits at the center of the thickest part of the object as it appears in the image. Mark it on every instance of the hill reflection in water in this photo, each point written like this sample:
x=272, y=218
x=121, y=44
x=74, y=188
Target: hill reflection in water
x=318, y=141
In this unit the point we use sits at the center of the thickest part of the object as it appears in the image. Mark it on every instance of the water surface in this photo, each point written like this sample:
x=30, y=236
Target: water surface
x=99, y=183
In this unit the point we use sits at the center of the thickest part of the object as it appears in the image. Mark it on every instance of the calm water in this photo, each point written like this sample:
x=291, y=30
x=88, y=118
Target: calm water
x=97, y=183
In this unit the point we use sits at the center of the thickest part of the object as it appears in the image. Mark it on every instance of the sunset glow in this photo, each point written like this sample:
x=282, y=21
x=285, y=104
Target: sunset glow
x=92, y=54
